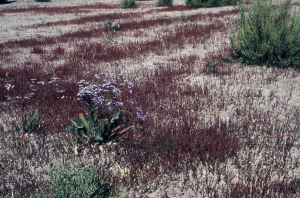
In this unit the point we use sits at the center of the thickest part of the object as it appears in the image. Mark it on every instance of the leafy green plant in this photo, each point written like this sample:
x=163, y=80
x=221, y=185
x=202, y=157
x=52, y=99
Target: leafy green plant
x=210, y=3
x=113, y=26
x=211, y=66
x=95, y=129
x=28, y=122
x=128, y=4
x=267, y=33
x=161, y=3
x=73, y=181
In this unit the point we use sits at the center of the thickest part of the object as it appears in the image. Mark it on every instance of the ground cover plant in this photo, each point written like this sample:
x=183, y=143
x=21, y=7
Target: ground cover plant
x=160, y=107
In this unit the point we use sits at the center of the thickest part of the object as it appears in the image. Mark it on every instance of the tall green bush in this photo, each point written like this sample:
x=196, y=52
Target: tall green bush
x=128, y=4
x=73, y=181
x=161, y=3
x=267, y=33
x=210, y=3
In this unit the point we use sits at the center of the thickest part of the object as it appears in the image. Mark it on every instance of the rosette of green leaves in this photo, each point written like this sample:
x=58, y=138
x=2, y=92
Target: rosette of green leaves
x=29, y=123
x=93, y=128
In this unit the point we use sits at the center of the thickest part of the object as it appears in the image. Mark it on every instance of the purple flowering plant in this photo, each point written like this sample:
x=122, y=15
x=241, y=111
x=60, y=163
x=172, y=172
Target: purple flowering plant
x=110, y=109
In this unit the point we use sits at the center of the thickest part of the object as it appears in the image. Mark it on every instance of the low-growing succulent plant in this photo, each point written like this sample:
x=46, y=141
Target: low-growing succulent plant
x=113, y=26
x=28, y=123
x=95, y=129
x=211, y=66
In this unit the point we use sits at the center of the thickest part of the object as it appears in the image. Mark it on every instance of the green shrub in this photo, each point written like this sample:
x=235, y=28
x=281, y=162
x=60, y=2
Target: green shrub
x=266, y=33
x=210, y=3
x=161, y=3
x=73, y=181
x=128, y=4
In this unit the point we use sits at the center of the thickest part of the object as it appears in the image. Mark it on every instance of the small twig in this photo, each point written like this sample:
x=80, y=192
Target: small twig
x=125, y=130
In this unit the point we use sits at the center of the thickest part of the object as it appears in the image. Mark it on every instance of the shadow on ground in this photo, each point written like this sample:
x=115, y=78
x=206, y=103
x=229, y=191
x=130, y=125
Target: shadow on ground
x=6, y=2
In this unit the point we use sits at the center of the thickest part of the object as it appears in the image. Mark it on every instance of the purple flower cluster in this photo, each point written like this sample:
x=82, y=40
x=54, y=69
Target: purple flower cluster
x=140, y=114
x=105, y=95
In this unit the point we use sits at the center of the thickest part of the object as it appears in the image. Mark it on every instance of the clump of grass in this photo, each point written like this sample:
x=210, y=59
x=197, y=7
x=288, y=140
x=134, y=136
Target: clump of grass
x=162, y=3
x=128, y=4
x=267, y=33
x=210, y=3
x=73, y=181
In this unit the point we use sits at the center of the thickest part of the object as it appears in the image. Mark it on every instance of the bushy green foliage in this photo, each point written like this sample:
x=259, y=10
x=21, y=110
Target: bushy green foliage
x=128, y=4
x=161, y=3
x=73, y=181
x=267, y=33
x=210, y=3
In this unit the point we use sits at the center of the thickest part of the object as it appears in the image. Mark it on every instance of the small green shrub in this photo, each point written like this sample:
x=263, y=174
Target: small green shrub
x=128, y=4
x=73, y=181
x=210, y=3
x=266, y=33
x=161, y=3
